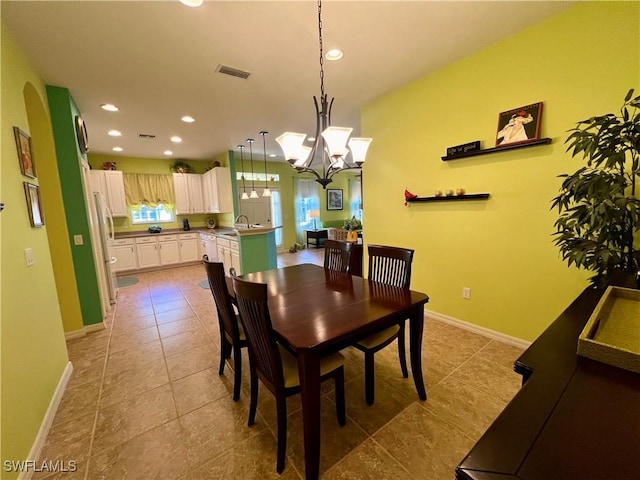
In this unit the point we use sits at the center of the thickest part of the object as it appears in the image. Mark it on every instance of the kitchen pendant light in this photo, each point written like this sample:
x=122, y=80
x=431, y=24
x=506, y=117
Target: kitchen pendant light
x=244, y=189
x=266, y=192
x=253, y=194
x=330, y=143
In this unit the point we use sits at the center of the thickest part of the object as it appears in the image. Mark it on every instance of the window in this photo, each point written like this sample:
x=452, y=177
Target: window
x=156, y=214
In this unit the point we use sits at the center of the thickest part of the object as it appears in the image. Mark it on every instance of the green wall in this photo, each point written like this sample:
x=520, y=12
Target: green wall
x=580, y=63
x=33, y=353
x=63, y=111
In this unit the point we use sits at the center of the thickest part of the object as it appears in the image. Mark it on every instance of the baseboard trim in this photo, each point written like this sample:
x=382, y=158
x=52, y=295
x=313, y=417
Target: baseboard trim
x=84, y=330
x=518, y=342
x=47, y=421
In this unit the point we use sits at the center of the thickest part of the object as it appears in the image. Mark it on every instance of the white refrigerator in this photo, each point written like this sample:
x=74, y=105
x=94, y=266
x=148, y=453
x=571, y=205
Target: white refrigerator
x=105, y=226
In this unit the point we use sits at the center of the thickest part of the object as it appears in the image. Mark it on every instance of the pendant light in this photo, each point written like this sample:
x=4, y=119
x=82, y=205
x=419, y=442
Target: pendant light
x=266, y=192
x=253, y=194
x=244, y=189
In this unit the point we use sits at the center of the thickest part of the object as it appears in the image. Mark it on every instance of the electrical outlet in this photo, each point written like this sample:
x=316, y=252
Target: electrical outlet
x=466, y=293
x=78, y=240
x=28, y=255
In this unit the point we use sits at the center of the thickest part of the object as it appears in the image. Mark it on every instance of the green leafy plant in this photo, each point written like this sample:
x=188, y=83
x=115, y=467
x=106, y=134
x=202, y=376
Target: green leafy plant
x=352, y=224
x=181, y=167
x=599, y=212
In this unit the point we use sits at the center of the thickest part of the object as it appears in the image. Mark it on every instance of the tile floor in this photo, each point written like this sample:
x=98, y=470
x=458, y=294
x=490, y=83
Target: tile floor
x=145, y=400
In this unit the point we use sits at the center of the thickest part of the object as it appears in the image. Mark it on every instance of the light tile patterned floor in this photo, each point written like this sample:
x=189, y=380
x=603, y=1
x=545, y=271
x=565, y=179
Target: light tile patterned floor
x=145, y=400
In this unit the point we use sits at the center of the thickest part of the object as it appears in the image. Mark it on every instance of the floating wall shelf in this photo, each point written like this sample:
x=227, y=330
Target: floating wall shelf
x=468, y=196
x=542, y=141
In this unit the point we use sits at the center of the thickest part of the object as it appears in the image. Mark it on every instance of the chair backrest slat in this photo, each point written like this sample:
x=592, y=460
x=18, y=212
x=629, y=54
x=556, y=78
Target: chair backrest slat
x=254, y=313
x=218, y=286
x=390, y=265
x=337, y=255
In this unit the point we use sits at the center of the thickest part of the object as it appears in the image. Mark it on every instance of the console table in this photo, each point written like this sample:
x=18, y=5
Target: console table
x=574, y=418
x=317, y=236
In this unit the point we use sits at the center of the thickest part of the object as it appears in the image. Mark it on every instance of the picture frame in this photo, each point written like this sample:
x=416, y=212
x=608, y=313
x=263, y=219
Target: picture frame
x=34, y=205
x=519, y=125
x=334, y=199
x=25, y=153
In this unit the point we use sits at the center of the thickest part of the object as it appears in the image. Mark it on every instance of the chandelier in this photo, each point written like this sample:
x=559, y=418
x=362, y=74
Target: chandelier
x=330, y=143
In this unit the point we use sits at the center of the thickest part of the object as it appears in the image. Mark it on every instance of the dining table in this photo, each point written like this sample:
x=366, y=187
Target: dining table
x=315, y=312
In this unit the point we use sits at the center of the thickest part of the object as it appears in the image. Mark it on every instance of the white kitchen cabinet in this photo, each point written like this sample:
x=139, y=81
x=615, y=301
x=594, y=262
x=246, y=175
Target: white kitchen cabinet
x=217, y=193
x=229, y=254
x=169, y=253
x=188, y=191
x=209, y=247
x=124, y=250
x=110, y=184
x=188, y=247
x=147, y=252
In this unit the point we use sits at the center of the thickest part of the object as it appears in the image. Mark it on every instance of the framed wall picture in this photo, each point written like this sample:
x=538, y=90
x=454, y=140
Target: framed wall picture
x=334, y=199
x=34, y=206
x=519, y=125
x=25, y=153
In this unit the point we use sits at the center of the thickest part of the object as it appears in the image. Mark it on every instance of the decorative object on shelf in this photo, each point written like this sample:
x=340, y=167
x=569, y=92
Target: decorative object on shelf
x=154, y=229
x=266, y=192
x=213, y=165
x=352, y=226
x=513, y=146
x=599, y=211
x=109, y=166
x=25, y=153
x=330, y=143
x=334, y=199
x=81, y=134
x=460, y=191
x=448, y=192
x=210, y=222
x=245, y=196
x=34, y=206
x=465, y=148
x=437, y=193
x=181, y=167
x=253, y=193
x=466, y=196
x=519, y=125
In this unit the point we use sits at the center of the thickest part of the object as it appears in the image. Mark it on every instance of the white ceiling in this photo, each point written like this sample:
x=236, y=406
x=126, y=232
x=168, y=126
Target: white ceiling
x=157, y=61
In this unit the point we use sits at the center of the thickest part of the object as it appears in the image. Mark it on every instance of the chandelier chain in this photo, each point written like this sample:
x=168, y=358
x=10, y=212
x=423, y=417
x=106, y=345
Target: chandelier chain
x=321, y=48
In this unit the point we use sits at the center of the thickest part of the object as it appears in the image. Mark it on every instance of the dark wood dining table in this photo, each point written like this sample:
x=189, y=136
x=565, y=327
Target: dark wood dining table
x=316, y=312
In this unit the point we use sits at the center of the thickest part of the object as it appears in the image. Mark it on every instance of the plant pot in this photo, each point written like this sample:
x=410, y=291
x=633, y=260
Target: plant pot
x=352, y=236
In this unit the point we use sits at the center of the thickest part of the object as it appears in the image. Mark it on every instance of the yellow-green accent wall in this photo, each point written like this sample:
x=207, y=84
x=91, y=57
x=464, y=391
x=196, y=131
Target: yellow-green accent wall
x=580, y=63
x=32, y=347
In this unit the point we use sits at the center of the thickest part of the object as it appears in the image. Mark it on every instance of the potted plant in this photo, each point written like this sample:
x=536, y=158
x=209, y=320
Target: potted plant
x=352, y=226
x=599, y=212
x=181, y=167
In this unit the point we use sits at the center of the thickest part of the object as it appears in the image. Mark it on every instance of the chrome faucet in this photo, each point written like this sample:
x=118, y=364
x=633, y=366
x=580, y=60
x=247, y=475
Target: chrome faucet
x=237, y=220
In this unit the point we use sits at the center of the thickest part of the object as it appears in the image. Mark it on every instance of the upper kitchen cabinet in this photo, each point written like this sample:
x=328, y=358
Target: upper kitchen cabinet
x=188, y=190
x=216, y=185
x=111, y=185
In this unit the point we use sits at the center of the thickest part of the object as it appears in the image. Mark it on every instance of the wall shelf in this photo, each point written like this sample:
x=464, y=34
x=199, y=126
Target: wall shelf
x=468, y=196
x=542, y=141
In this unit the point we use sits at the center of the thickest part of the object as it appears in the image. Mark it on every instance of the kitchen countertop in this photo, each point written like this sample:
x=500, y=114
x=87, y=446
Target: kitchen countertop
x=173, y=231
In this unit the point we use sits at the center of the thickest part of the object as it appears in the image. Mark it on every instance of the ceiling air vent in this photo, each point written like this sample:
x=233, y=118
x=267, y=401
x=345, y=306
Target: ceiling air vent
x=234, y=72
x=146, y=136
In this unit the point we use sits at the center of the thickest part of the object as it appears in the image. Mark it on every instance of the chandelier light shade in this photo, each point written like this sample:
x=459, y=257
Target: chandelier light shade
x=266, y=192
x=253, y=193
x=244, y=189
x=329, y=152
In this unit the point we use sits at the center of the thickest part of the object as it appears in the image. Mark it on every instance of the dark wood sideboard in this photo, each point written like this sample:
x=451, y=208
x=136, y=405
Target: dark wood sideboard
x=574, y=418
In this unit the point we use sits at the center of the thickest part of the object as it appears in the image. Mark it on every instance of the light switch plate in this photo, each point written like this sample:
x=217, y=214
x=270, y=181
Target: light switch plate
x=28, y=255
x=78, y=240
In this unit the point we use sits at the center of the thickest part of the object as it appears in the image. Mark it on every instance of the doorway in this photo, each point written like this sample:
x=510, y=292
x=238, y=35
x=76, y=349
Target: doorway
x=266, y=211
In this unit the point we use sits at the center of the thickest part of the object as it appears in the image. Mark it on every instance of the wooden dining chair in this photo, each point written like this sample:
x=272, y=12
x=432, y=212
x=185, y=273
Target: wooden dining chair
x=273, y=364
x=391, y=266
x=337, y=255
x=232, y=337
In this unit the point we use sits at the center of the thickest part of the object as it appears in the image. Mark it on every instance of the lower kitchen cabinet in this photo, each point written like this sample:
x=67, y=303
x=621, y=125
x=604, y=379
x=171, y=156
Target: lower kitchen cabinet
x=168, y=249
x=124, y=250
x=188, y=247
x=147, y=251
x=229, y=255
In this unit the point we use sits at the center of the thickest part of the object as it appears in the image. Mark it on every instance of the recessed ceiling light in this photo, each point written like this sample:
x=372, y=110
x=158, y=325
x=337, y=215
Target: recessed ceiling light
x=117, y=149
x=192, y=3
x=115, y=133
x=334, y=54
x=272, y=155
x=311, y=139
x=168, y=152
x=109, y=107
x=188, y=119
x=176, y=139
